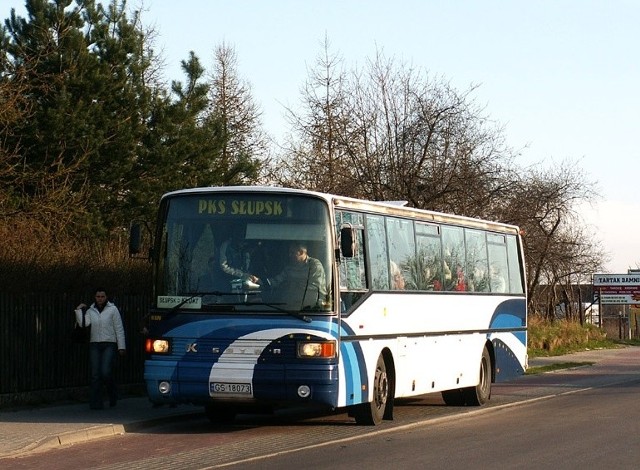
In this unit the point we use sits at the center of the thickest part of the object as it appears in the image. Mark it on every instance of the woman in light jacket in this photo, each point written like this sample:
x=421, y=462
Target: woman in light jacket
x=107, y=337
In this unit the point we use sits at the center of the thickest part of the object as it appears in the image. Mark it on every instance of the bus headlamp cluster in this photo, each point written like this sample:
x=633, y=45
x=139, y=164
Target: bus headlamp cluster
x=320, y=349
x=157, y=346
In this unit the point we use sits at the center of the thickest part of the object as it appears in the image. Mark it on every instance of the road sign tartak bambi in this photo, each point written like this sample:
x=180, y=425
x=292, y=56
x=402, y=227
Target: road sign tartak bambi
x=617, y=288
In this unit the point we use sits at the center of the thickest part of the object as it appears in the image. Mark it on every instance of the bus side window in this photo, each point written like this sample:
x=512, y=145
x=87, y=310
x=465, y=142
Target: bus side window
x=402, y=253
x=477, y=264
x=498, y=267
x=428, y=269
x=454, y=258
x=377, y=252
x=515, y=276
x=353, y=280
x=351, y=270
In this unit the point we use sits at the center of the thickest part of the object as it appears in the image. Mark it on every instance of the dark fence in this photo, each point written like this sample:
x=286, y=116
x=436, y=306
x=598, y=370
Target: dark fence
x=38, y=360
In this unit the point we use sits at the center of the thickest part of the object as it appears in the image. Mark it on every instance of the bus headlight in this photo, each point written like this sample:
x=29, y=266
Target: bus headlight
x=322, y=349
x=157, y=346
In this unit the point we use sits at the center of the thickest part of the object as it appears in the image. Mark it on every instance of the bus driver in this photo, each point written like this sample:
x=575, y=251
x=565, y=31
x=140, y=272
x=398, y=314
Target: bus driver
x=303, y=278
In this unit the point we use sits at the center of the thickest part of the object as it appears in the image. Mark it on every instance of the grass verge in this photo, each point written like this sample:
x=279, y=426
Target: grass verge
x=556, y=366
x=556, y=338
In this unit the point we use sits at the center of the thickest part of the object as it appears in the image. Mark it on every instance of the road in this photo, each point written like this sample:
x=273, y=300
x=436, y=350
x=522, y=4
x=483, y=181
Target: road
x=596, y=428
x=587, y=416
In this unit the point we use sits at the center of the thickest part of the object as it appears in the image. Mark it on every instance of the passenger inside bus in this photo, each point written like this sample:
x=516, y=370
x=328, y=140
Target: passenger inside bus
x=235, y=258
x=213, y=279
x=397, y=278
x=461, y=283
x=432, y=279
x=497, y=280
x=454, y=281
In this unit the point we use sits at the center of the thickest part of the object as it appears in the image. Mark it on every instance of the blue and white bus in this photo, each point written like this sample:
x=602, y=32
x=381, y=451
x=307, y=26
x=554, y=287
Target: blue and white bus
x=392, y=302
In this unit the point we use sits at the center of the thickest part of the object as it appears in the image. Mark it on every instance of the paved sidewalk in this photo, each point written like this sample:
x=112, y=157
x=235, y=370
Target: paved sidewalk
x=47, y=427
x=44, y=428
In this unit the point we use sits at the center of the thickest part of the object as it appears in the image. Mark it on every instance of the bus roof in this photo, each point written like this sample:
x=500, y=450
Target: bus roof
x=361, y=205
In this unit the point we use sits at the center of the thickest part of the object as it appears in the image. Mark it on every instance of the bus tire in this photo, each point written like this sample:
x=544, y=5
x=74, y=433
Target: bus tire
x=453, y=397
x=481, y=393
x=219, y=414
x=371, y=414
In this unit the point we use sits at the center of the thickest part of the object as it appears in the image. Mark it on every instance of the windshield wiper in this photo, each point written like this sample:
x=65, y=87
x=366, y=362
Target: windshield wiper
x=276, y=306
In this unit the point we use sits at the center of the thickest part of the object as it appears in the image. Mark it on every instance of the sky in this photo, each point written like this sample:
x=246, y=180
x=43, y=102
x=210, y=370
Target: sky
x=561, y=76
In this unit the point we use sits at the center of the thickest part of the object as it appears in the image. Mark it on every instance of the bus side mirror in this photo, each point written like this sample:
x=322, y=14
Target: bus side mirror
x=348, y=241
x=135, y=239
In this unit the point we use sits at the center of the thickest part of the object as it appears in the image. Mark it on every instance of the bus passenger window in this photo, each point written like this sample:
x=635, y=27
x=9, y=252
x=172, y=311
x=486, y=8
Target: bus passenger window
x=429, y=266
x=454, y=258
x=402, y=253
x=477, y=264
x=515, y=276
x=498, y=267
x=351, y=271
x=377, y=255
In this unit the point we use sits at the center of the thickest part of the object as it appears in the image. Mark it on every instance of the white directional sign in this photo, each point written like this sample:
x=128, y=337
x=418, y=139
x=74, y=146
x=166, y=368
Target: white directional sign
x=617, y=288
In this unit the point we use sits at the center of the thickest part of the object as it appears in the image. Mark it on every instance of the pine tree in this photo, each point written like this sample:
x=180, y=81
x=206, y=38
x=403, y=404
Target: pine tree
x=84, y=69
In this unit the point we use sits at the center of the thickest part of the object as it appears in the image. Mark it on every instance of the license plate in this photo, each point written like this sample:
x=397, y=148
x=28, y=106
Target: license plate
x=225, y=387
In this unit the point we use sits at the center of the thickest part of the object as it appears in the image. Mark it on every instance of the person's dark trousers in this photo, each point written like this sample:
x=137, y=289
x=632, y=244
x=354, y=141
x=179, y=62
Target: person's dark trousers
x=101, y=358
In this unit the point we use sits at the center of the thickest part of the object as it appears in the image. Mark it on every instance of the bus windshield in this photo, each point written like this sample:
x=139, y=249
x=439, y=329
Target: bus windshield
x=240, y=252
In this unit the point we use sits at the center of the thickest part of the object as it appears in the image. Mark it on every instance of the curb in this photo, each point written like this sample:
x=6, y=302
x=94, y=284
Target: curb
x=95, y=432
x=67, y=438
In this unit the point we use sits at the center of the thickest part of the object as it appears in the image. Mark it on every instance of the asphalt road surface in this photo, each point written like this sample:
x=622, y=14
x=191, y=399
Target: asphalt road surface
x=586, y=417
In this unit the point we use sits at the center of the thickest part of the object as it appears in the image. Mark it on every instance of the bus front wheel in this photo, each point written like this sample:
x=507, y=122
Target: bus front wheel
x=219, y=414
x=372, y=413
x=453, y=397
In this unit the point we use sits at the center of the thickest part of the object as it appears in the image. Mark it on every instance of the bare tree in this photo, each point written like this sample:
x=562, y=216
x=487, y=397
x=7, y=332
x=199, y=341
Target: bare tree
x=558, y=248
x=389, y=132
x=314, y=157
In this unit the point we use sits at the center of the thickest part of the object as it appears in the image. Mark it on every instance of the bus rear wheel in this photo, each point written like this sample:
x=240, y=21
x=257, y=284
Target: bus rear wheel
x=481, y=393
x=372, y=413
